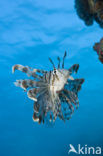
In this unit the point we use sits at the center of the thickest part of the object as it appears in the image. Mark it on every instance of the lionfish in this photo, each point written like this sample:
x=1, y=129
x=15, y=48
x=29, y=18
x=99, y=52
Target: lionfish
x=54, y=92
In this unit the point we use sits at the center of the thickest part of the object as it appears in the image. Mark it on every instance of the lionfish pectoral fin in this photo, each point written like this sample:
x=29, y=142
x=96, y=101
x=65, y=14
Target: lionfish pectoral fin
x=70, y=77
x=19, y=67
x=35, y=117
x=69, y=104
x=18, y=83
x=78, y=83
x=71, y=97
x=27, y=83
x=32, y=94
x=27, y=70
x=74, y=85
x=15, y=67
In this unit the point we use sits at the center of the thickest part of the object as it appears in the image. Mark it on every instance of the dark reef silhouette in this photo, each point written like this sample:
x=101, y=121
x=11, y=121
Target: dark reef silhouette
x=98, y=47
x=90, y=11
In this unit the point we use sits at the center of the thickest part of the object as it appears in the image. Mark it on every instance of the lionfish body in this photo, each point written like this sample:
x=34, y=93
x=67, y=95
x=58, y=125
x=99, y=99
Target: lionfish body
x=54, y=92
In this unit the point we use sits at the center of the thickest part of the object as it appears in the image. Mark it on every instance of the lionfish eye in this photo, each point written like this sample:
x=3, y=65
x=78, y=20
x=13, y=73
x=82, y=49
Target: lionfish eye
x=54, y=71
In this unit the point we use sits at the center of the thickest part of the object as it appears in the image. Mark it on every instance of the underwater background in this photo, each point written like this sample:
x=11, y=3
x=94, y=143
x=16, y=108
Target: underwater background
x=30, y=32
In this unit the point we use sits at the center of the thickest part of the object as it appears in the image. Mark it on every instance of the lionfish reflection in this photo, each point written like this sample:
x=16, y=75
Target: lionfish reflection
x=53, y=92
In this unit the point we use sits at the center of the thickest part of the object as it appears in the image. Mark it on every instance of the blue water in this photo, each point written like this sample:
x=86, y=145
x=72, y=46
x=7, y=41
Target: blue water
x=30, y=32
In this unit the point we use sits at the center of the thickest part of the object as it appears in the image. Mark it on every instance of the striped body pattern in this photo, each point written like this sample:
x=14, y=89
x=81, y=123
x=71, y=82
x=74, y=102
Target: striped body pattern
x=55, y=92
